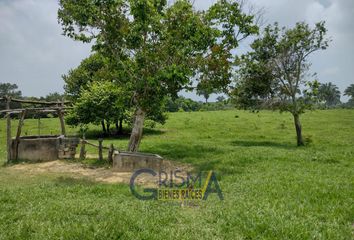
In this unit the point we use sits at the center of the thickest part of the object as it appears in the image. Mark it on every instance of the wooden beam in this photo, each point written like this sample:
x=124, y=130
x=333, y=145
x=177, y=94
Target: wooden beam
x=48, y=109
x=110, y=153
x=94, y=145
x=82, y=149
x=100, y=154
x=8, y=131
x=35, y=102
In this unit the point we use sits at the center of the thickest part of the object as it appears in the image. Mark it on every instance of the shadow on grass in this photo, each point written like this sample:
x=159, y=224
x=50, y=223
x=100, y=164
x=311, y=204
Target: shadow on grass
x=202, y=158
x=70, y=181
x=178, y=151
x=246, y=143
x=93, y=163
x=95, y=134
x=20, y=161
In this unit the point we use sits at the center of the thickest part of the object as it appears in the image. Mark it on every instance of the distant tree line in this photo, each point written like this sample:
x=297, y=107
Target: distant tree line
x=182, y=104
x=11, y=90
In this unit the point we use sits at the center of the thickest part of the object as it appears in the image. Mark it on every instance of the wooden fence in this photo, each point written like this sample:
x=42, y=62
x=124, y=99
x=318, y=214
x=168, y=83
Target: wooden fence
x=111, y=149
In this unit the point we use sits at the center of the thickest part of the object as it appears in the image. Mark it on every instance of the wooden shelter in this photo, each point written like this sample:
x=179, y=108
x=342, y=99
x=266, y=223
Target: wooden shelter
x=45, y=147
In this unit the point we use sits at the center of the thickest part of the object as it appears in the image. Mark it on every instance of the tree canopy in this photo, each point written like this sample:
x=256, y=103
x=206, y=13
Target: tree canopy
x=158, y=48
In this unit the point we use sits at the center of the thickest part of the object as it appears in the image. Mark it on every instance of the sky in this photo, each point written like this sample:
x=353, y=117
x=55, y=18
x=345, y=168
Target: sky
x=34, y=54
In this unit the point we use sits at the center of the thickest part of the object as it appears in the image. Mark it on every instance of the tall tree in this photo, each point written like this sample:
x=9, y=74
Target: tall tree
x=329, y=94
x=205, y=89
x=276, y=71
x=159, y=47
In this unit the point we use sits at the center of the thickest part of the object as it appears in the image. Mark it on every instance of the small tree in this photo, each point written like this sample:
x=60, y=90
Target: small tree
x=220, y=99
x=275, y=73
x=205, y=89
x=100, y=102
x=95, y=68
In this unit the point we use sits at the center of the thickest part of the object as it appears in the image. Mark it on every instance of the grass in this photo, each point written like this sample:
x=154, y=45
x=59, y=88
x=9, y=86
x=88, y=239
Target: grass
x=272, y=189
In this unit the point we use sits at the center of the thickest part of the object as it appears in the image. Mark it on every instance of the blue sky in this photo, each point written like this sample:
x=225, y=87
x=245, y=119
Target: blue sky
x=34, y=54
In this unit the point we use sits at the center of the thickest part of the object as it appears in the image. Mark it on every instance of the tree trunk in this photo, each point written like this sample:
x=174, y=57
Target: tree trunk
x=108, y=128
x=117, y=127
x=103, y=126
x=120, y=129
x=137, y=131
x=300, y=141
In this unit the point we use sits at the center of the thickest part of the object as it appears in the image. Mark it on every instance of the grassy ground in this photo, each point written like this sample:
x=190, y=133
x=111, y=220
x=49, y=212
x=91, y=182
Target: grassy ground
x=272, y=189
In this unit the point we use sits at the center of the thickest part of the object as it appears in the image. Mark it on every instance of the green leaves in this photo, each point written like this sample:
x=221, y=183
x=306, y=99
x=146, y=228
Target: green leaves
x=276, y=71
x=231, y=24
x=329, y=94
x=91, y=69
x=154, y=50
x=159, y=47
x=100, y=101
x=349, y=91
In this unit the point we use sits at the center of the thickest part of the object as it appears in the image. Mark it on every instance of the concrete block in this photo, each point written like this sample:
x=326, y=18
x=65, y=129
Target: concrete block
x=129, y=162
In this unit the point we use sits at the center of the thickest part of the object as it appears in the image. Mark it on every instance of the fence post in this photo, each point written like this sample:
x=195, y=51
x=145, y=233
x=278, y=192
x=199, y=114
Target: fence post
x=8, y=130
x=82, y=149
x=110, y=153
x=62, y=122
x=18, y=135
x=100, y=156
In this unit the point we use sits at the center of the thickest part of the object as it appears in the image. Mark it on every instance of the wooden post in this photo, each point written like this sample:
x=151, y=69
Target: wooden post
x=8, y=130
x=100, y=155
x=18, y=135
x=110, y=154
x=82, y=150
x=62, y=122
x=39, y=125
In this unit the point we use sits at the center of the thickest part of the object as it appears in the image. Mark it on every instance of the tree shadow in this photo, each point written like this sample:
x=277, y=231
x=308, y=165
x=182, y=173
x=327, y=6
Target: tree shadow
x=70, y=181
x=247, y=143
x=21, y=161
x=95, y=133
x=178, y=151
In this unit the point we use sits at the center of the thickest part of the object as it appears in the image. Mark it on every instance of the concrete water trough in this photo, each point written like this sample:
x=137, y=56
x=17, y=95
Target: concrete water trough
x=44, y=148
x=130, y=162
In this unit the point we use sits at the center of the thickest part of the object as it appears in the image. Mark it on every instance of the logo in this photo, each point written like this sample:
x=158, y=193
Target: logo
x=177, y=186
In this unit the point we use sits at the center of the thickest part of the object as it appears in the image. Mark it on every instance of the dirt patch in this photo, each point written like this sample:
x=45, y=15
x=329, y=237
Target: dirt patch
x=100, y=174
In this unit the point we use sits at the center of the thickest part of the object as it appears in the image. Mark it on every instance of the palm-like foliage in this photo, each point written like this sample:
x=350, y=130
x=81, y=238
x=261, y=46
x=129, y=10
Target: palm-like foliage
x=329, y=94
x=349, y=91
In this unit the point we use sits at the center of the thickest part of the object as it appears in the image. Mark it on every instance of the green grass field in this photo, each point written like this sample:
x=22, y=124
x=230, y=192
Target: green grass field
x=272, y=189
